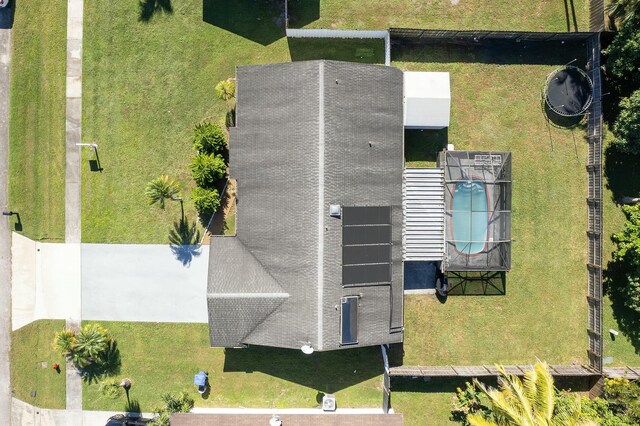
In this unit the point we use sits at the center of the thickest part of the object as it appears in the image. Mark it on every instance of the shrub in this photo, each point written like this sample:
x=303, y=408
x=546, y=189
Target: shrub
x=209, y=138
x=173, y=403
x=598, y=410
x=627, y=126
x=111, y=389
x=628, y=253
x=85, y=347
x=623, y=54
x=624, y=398
x=206, y=201
x=64, y=341
x=206, y=169
x=226, y=90
x=467, y=401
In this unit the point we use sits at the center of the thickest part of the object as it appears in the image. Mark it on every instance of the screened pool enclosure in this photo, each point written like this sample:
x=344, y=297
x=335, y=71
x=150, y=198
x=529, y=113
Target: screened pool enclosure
x=477, y=195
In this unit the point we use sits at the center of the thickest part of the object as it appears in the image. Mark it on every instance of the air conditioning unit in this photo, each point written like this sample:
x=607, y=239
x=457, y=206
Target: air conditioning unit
x=329, y=403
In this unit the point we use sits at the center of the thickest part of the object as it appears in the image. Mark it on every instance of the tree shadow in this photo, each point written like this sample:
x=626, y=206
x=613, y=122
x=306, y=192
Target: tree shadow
x=326, y=372
x=422, y=146
x=261, y=21
x=184, y=241
x=149, y=8
x=303, y=12
x=108, y=365
x=622, y=172
x=628, y=320
x=132, y=407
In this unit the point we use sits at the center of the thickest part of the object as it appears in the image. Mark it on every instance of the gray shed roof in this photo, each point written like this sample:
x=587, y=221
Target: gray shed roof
x=309, y=134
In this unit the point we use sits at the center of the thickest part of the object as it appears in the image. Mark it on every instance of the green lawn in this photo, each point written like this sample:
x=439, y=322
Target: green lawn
x=37, y=118
x=523, y=15
x=146, y=84
x=230, y=223
x=30, y=348
x=496, y=106
x=418, y=400
x=162, y=358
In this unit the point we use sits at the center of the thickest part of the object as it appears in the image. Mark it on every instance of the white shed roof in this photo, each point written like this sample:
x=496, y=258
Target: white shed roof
x=427, y=100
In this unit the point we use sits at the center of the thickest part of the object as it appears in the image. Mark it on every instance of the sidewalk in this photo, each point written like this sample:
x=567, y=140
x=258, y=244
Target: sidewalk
x=73, y=197
x=27, y=415
x=5, y=233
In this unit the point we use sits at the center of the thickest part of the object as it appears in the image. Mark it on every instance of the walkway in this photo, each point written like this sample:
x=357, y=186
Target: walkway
x=5, y=233
x=75, y=10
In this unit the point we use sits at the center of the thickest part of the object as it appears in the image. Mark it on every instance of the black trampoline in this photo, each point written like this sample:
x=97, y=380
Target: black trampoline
x=568, y=91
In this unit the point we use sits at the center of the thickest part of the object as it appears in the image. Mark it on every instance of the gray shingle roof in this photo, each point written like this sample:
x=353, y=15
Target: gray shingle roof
x=309, y=134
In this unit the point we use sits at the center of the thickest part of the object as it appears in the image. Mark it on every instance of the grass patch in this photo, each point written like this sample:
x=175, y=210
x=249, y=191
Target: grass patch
x=497, y=106
x=37, y=118
x=30, y=346
x=544, y=15
x=416, y=398
x=146, y=84
x=168, y=356
x=622, y=349
x=230, y=223
x=369, y=51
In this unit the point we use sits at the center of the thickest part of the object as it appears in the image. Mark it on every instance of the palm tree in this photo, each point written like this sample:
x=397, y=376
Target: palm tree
x=528, y=402
x=226, y=90
x=623, y=10
x=162, y=188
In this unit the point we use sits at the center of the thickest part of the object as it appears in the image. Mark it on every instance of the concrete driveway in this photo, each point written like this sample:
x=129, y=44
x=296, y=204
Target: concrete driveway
x=148, y=283
x=144, y=283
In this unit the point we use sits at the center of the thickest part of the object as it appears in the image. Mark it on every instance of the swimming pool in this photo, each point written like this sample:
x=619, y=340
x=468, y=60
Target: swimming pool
x=469, y=216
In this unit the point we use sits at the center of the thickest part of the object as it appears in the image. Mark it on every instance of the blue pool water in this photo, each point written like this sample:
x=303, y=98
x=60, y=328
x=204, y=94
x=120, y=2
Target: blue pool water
x=469, y=216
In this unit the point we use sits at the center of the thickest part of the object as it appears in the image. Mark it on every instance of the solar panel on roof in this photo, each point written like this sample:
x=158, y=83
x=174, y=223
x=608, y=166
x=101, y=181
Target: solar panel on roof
x=374, y=234
x=366, y=245
x=355, y=255
x=349, y=321
x=375, y=215
x=366, y=274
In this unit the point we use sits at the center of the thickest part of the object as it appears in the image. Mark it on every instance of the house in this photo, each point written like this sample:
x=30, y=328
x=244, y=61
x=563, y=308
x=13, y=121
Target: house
x=327, y=212
x=316, y=262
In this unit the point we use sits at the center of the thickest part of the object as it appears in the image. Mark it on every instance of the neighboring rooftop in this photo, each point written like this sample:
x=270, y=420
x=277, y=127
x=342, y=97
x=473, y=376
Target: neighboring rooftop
x=310, y=135
x=328, y=419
